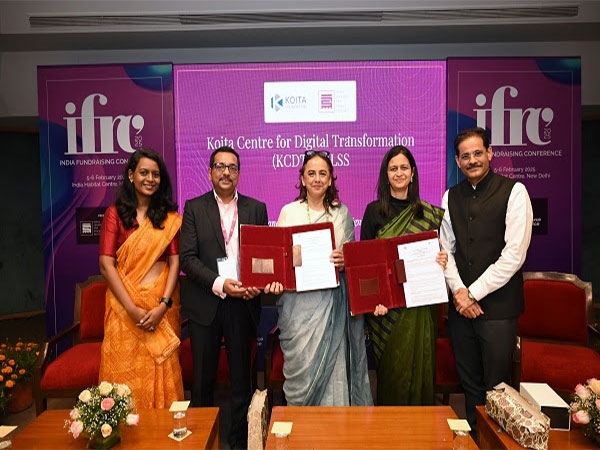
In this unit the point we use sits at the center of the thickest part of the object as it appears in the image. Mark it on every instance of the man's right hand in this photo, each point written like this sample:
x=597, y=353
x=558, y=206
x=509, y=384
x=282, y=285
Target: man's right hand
x=466, y=306
x=472, y=311
x=234, y=288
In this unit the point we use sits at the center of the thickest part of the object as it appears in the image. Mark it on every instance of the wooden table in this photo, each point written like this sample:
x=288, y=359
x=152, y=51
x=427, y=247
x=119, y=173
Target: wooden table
x=322, y=427
x=47, y=431
x=491, y=436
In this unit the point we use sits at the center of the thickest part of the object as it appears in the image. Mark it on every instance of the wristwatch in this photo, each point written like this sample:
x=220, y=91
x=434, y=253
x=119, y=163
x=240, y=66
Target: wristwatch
x=471, y=296
x=166, y=301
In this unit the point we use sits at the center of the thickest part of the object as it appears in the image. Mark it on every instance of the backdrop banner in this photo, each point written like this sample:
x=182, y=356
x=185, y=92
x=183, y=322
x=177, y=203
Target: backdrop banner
x=272, y=113
x=532, y=109
x=92, y=118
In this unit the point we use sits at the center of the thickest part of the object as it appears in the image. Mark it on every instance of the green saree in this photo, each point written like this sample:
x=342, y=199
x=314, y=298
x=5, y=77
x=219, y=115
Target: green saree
x=404, y=339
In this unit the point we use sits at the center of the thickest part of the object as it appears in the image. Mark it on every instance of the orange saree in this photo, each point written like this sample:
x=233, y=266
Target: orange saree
x=148, y=362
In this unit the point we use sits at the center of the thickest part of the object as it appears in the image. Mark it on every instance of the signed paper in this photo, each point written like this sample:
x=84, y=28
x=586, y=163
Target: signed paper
x=316, y=271
x=425, y=283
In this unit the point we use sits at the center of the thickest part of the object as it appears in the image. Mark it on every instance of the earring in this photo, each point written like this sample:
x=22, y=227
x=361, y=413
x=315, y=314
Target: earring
x=131, y=180
x=411, y=179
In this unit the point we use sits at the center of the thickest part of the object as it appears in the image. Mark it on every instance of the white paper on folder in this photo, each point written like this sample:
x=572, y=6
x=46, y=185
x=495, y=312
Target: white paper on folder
x=425, y=283
x=316, y=271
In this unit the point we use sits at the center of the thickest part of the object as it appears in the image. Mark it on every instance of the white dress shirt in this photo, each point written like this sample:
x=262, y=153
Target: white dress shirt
x=519, y=219
x=228, y=213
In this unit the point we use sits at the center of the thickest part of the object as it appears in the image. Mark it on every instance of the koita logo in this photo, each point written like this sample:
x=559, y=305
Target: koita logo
x=276, y=102
x=289, y=102
x=532, y=118
x=106, y=125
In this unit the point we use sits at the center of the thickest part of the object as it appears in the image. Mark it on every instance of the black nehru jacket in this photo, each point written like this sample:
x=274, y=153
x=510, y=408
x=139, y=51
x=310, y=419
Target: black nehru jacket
x=478, y=220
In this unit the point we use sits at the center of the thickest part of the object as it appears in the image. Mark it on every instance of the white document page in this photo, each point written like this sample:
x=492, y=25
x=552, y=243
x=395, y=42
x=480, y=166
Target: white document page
x=425, y=283
x=316, y=271
x=228, y=268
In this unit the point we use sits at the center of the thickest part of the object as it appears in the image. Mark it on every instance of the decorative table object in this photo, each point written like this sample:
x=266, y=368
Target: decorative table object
x=586, y=408
x=99, y=413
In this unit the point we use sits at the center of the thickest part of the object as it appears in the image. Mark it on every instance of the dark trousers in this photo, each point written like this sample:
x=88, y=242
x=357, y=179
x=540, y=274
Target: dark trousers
x=483, y=350
x=233, y=323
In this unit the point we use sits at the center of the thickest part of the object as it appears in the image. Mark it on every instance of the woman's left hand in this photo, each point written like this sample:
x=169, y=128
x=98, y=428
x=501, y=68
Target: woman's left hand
x=337, y=258
x=274, y=288
x=442, y=259
x=380, y=310
x=153, y=318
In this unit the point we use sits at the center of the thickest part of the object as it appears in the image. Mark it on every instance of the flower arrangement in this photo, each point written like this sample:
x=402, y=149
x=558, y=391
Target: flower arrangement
x=586, y=408
x=16, y=366
x=100, y=410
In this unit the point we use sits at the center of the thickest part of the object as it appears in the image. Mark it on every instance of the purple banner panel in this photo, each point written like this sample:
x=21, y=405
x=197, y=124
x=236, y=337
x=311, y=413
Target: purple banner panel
x=272, y=113
x=532, y=109
x=91, y=119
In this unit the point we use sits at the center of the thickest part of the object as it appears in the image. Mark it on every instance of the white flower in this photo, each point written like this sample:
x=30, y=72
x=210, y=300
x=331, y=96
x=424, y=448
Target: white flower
x=133, y=419
x=594, y=385
x=106, y=430
x=105, y=388
x=85, y=396
x=123, y=390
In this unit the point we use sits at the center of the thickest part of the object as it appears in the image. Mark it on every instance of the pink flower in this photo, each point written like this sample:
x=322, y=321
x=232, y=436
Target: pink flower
x=106, y=430
x=74, y=414
x=76, y=428
x=594, y=385
x=581, y=417
x=107, y=403
x=133, y=419
x=582, y=392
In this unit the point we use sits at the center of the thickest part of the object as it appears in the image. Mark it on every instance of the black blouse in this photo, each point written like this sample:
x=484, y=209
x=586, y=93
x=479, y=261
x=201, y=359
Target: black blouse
x=373, y=220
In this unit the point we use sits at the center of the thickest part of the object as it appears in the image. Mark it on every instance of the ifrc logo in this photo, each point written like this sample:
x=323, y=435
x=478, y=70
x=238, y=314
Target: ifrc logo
x=86, y=123
x=534, y=119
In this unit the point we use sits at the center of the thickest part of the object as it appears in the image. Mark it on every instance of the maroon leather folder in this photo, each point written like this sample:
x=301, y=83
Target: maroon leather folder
x=267, y=254
x=375, y=273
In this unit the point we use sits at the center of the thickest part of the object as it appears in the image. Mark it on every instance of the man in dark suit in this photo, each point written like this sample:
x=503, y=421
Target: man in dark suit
x=217, y=304
x=486, y=231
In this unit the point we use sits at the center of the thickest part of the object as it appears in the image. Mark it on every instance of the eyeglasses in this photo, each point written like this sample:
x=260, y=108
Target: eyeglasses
x=467, y=156
x=220, y=167
x=321, y=153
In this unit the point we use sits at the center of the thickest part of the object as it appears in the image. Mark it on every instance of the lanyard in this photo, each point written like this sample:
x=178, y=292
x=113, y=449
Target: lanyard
x=233, y=221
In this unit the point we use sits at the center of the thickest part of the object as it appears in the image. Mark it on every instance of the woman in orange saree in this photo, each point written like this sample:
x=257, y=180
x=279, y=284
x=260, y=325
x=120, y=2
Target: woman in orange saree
x=139, y=257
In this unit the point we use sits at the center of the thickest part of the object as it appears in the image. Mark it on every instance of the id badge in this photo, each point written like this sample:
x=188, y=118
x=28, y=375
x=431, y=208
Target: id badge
x=227, y=268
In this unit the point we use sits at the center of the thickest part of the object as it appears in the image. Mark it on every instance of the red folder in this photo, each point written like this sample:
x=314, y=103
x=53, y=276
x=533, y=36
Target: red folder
x=375, y=274
x=267, y=254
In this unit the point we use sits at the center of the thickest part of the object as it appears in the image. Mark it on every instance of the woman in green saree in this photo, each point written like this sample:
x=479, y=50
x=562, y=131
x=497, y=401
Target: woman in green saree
x=403, y=338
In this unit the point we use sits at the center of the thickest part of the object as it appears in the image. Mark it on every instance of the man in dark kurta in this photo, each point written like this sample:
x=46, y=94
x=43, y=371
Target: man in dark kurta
x=486, y=231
